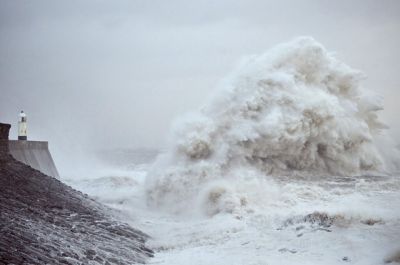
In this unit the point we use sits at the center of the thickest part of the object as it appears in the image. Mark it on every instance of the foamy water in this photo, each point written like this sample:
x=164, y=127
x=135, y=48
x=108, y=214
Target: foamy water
x=287, y=164
x=293, y=111
x=363, y=228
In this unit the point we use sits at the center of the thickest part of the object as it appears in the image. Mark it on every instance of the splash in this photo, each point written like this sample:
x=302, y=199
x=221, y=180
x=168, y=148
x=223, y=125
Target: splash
x=293, y=111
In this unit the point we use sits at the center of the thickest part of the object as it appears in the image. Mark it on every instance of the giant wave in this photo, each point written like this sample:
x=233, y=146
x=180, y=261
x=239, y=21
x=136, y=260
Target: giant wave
x=293, y=111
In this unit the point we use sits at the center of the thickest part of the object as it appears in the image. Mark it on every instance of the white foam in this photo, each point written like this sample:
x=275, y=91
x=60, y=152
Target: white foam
x=293, y=111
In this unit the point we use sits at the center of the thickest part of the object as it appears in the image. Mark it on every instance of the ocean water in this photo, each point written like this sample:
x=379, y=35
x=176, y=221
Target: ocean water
x=288, y=163
x=361, y=226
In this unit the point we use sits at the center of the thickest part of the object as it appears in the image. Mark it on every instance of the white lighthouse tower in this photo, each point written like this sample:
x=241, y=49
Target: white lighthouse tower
x=22, y=128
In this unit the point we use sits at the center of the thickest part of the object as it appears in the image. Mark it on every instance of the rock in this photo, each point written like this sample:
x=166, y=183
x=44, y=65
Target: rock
x=318, y=220
x=393, y=258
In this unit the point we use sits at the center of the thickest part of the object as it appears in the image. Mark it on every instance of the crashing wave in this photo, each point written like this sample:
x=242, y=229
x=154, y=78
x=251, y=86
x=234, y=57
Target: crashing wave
x=295, y=110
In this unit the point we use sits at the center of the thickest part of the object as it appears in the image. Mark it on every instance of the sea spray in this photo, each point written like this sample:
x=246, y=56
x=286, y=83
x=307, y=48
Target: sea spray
x=293, y=111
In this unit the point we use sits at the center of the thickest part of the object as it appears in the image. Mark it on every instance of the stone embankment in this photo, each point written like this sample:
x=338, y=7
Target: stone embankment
x=43, y=221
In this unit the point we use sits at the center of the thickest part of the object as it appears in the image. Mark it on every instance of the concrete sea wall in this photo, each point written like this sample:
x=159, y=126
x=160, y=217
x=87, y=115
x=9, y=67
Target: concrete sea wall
x=35, y=154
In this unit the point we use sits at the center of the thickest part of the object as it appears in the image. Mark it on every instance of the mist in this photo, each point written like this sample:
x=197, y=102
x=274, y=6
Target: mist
x=99, y=74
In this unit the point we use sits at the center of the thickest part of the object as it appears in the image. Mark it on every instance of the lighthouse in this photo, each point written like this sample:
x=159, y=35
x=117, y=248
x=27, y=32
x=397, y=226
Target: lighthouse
x=22, y=129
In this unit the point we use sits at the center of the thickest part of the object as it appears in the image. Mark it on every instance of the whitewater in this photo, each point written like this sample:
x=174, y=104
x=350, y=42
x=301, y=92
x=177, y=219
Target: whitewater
x=287, y=163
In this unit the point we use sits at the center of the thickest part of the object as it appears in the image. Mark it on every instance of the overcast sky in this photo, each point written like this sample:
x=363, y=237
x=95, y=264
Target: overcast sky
x=117, y=72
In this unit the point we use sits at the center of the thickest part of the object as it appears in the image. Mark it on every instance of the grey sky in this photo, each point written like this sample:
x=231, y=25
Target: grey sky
x=118, y=72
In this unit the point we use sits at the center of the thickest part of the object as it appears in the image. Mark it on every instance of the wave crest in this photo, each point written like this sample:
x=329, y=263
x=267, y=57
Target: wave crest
x=293, y=110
